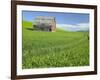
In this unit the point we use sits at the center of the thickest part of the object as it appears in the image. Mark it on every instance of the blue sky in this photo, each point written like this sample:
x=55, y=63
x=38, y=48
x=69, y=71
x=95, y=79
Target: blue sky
x=68, y=21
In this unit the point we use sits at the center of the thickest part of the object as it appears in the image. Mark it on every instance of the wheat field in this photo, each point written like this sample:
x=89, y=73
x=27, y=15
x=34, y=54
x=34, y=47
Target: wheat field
x=42, y=49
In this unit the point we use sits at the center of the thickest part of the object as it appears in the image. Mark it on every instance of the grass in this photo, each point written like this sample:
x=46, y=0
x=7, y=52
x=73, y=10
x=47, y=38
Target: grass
x=53, y=49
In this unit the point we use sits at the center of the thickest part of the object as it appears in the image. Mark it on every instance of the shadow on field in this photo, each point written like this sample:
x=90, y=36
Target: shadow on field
x=31, y=29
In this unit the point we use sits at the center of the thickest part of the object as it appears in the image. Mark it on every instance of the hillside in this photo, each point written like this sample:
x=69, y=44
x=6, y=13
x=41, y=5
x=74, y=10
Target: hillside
x=53, y=49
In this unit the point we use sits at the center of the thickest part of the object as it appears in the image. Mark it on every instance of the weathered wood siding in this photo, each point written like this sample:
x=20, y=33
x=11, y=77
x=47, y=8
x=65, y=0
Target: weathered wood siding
x=44, y=23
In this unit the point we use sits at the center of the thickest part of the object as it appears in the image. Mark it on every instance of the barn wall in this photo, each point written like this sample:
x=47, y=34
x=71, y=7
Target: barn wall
x=46, y=27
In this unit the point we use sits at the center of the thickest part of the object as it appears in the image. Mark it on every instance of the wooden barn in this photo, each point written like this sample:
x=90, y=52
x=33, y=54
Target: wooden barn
x=44, y=23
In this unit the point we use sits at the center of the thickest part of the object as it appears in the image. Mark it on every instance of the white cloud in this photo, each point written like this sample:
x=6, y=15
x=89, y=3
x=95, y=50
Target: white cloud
x=77, y=27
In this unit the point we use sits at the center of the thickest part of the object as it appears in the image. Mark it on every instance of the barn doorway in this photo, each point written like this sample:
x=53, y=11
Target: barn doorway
x=50, y=29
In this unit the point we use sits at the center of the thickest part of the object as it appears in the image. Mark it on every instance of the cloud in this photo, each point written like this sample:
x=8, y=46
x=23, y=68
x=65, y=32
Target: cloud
x=76, y=27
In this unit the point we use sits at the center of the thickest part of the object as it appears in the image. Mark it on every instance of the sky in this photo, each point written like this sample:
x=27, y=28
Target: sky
x=64, y=20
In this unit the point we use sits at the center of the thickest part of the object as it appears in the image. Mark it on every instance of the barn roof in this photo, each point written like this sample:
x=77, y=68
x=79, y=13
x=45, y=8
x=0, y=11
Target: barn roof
x=45, y=17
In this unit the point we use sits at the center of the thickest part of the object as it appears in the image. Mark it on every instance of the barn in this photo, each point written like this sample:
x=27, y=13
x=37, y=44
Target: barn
x=44, y=23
